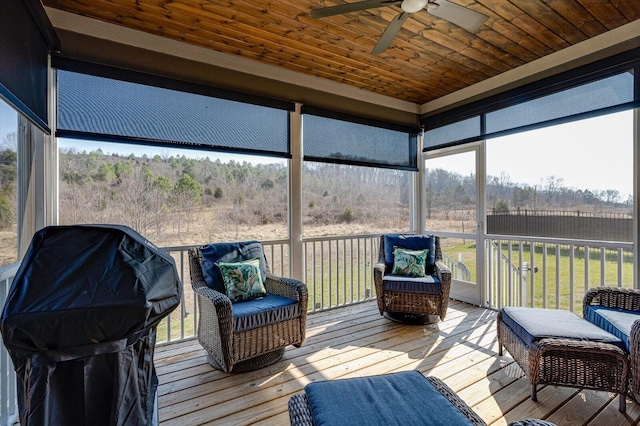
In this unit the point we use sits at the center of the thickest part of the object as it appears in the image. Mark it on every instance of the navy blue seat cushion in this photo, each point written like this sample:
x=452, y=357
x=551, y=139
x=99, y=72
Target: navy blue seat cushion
x=413, y=242
x=535, y=323
x=616, y=321
x=430, y=284
x=267, y=310
x=404, y=398
x=229, y=252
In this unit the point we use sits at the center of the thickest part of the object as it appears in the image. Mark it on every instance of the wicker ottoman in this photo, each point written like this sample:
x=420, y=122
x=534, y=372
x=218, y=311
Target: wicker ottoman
x=558, y=347
x=406, y=398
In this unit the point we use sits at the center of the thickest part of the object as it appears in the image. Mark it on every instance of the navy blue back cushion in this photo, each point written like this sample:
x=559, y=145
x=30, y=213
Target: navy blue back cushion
x=401, y=399
x=229, y=252
x=616, y=321
x=412, y=242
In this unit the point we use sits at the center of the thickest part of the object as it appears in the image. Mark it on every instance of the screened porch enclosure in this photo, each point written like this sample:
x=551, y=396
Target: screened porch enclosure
x=186, y=163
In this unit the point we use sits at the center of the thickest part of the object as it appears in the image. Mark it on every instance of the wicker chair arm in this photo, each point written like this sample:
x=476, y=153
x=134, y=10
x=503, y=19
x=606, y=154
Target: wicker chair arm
x=442, y=269
x=286, y=287
x=220, y=301
x=634, y=357
x=612, y=297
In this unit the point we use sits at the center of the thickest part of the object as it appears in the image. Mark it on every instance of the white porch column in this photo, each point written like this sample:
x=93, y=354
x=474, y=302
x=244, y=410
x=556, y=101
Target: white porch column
x=419, y=208
x=636, y=196
x=296, y=257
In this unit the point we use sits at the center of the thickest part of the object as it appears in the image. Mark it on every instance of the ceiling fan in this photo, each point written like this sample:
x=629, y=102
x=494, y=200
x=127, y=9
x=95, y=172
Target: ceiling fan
x=461, y=16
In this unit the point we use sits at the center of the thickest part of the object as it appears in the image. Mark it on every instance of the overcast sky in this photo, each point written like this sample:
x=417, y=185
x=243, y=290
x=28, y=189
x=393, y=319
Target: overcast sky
x=594, y=154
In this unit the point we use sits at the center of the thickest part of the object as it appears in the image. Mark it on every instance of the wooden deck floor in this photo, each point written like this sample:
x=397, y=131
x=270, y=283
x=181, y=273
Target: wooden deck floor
x=357, y=341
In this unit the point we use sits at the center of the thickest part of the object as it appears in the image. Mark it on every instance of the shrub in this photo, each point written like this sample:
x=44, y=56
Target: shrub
x=347, y=216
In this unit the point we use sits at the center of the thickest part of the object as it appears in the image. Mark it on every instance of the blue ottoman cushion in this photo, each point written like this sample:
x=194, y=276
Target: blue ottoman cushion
x=616, y=321
x=403, y=399
x=535, y=323
x=429, y=284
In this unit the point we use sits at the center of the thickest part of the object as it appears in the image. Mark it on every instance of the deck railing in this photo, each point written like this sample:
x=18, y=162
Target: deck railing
x=554, y=273
x=539, y=272
x=338, y=272
x=8, y=395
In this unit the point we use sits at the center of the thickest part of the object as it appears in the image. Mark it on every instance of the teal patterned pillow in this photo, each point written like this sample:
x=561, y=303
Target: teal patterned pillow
x=408, y=262
x=242, y=280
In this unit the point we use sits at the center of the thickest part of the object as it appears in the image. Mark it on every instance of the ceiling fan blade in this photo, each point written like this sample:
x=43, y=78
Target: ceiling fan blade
x=465, y=18
x=351, y=7
x=391, y=31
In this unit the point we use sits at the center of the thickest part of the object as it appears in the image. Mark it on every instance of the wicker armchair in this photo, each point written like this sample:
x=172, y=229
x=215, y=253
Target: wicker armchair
x=628, y=300
x=252, y=341
x=406, y=300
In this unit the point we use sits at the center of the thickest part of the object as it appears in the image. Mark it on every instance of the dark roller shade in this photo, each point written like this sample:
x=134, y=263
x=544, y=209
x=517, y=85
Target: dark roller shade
x=101, y=108
x=335, y=138
x=26, y=38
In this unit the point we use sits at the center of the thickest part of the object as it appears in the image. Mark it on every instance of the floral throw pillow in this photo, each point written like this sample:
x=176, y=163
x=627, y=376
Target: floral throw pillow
x=242, y=280
x=407, y=262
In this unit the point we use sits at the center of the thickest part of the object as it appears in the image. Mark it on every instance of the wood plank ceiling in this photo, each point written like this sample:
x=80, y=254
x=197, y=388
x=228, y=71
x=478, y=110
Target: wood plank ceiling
x=429, y=57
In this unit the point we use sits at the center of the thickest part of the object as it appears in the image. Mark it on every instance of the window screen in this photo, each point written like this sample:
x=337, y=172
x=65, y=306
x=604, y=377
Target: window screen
x=347, y=142
x=90, y=106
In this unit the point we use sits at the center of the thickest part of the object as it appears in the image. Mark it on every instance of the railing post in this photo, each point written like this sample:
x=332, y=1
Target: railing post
x=8, y=385
x=524, y=272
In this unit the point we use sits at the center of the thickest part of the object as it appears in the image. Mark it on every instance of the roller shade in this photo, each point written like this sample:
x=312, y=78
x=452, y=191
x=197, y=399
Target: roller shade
x=26, y=37
x=337, y=138
x=101, y=108
x=600, y=88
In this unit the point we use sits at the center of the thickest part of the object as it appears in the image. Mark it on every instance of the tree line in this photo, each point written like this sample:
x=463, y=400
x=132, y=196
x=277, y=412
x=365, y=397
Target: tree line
x=166, y=193
x=448, y=191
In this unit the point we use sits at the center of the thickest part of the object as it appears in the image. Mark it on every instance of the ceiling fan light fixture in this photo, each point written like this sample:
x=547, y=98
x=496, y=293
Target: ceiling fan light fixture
x=413, y=6
x=432, y=7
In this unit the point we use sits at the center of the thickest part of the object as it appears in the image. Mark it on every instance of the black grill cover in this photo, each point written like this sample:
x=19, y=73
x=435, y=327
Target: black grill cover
x=80, y=322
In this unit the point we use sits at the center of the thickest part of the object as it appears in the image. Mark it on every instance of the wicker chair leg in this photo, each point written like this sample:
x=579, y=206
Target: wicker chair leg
x=622, y=406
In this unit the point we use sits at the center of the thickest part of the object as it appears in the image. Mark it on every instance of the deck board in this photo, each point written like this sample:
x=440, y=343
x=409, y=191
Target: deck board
x=356, y=341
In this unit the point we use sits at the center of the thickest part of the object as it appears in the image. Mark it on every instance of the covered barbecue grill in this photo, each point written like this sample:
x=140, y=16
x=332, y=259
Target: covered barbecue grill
x=80, y=325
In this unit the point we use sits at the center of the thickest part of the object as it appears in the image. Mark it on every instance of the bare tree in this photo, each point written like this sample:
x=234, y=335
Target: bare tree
x=611, y=196
x=551, y=185
x=10, y=141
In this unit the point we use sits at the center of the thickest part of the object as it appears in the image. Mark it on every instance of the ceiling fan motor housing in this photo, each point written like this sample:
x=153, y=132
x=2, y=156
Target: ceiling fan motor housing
x=413, y=6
